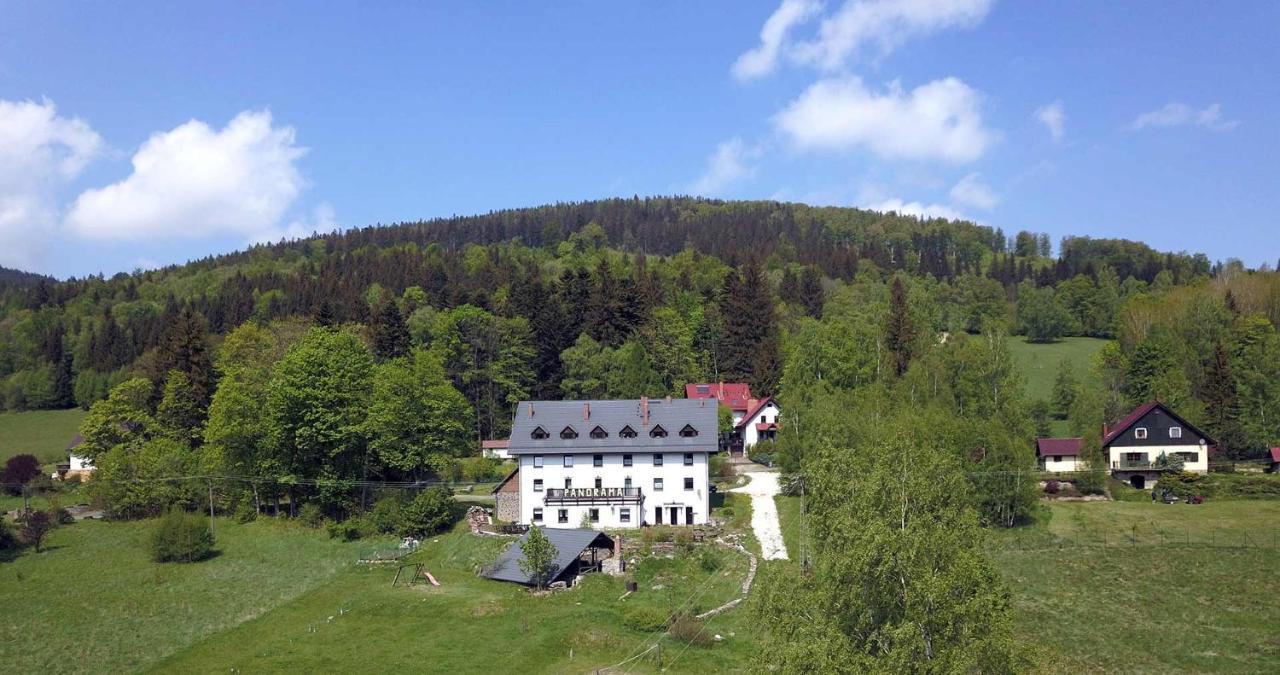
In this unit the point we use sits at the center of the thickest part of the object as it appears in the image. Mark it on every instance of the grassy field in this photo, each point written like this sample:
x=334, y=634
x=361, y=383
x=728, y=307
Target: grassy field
x=1038, y=364
x=789, y=519
x=94, y=602
x=43, y=433
x=1112, y=586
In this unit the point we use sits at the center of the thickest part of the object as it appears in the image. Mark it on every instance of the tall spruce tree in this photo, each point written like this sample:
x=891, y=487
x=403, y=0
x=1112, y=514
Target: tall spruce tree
x=811, y=294
x=1222, y=403
x=750, y=330
x=900, y=333
x=184, y=348
x=390, y=333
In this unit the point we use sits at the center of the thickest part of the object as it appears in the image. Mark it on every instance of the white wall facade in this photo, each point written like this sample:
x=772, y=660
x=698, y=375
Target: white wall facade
x=613, y=473
x=1116, y=455
x=80, y=464
x=767, y=414
x=1060, y=463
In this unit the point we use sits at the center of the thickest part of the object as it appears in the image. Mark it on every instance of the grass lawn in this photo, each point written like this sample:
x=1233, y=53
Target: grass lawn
x=358, y=622
x=1119, y=595
x=94, y=601
x=43, y=433
x=1038, y=364
x=789, y=518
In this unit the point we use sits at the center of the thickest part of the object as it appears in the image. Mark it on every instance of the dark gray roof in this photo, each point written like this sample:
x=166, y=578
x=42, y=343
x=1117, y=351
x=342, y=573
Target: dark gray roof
x=569, y=545
x=612, y=416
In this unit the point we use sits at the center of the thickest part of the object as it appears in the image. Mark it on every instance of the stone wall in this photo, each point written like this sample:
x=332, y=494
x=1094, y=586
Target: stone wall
x=507, y=508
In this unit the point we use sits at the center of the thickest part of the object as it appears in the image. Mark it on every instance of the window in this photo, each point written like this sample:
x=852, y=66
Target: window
x=688, y=515
x=599, y=483
x=599, y=433
x=568, y=460
x=688, y=431
x=626, y=460
x=567, y=433
x=562, y=516
x=1057, y=458
x=537, y=515
x=537, y=461
x=539, y=434
x=627, y=432
x=1140, y=432
x=537, y=485
x=1175, y=432
x=658, y=432
x=568, y=483
x=597, y=460
x=657, y=485
x=688, y=483
x=624, y=515
x=657, y=459
x=688, y=459
x=594, y=515
x=626, y=483
x=704, y=389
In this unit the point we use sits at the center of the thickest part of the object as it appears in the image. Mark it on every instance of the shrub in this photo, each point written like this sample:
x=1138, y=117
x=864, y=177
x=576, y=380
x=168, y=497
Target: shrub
x=385, y=516
x=709, y=561
x=687, y=628
x=1052, y=487
x=8, y=540
x=311, y=515
x=347, y=530
x=683, y=539
x=18, y=471
x=480, y=469
x=434, y=509
x=246, y=512
x=720, y=466
x=34, y=526
x=61, y=516
x=181, y=537
x=644, y=619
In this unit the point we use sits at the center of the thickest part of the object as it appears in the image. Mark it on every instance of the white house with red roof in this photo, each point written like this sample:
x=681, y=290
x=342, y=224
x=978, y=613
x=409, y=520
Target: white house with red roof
x=1058, y=454
x=1134, y=445
x=754, y=420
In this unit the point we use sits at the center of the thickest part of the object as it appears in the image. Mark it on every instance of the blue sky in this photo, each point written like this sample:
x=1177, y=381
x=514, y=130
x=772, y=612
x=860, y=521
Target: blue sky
x=137, y=134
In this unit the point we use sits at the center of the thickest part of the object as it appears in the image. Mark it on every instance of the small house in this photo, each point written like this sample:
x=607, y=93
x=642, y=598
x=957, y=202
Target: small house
x=578, y=551
x=1058, y=454
x=1138, y=447
x=1275, y=461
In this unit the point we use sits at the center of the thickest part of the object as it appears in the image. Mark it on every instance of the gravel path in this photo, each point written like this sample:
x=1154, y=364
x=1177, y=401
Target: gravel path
x=763, y=486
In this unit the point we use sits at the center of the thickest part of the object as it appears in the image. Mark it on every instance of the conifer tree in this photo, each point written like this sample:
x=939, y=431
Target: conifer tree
x=184, y=348
x=811, y=294
x=899, y=333
x=390, y=333
x=1222, y=405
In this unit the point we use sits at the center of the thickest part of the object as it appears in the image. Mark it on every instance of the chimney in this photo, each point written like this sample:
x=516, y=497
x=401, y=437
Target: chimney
x=531, y=410
x=702, y=403
x=586, y=412
x=644, y=410
x=668, y=398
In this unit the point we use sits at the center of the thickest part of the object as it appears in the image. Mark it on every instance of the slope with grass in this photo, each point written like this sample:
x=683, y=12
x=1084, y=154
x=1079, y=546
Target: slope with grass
x=359, y=622
x=1038, y=363
x=1114, y=586
x=94, y=602
x=43, y=433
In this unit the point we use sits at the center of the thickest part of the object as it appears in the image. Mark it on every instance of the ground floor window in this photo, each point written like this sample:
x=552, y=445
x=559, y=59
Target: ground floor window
x=624, y=515
x=537, y=515
x=563, y=516
x=594, y=515
x=688, y=515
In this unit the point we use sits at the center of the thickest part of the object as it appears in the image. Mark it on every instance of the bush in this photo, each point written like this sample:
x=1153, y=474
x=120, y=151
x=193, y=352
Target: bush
x=385, y=516
x=8, y=539
x=347, y=530
x=644, y=619
x=480, y=469
x=687, y=628
x=1052, y=487
x=182, y=537
x=434, y=509
x=709, y=561
x=61, y=516
x=683, y=539
x=311, y=515
x=720, y=466
x=246, y=512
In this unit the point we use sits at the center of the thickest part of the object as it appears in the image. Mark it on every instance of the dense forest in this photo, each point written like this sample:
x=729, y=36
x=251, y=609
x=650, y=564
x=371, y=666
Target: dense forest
x=417, y=339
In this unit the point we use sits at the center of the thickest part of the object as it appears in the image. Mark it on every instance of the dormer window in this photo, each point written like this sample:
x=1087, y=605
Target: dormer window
x=627, y=432
x=1140, y=432
x=688, y=431
x=568, y=433
x=599, y=433
x=539, y=434
x=658, y=432
x=1175, y=432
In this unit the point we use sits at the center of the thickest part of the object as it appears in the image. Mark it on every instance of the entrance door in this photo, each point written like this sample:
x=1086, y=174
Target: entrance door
x=1138, y=481
x=657, y=516
x=688, y=515
x=675, y=515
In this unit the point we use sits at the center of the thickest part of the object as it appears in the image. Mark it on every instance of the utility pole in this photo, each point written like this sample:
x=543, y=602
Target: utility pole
x=211, y=526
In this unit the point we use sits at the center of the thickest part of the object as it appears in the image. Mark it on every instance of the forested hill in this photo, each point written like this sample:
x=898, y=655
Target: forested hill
x=621, y=297
x=16, y=278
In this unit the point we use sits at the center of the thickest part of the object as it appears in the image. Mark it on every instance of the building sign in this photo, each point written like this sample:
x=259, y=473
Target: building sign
x=593, y=492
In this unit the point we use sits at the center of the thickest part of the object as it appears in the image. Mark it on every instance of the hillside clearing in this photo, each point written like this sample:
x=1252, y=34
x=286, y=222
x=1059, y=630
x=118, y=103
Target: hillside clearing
x=43, y=433
x=1038, y=364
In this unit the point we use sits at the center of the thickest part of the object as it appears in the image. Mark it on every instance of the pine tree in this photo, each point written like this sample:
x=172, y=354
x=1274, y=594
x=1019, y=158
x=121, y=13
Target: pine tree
x=750, y=329
x=1064, y=389
x=184, y=348
x=602, y=318
x=899, y=333
x=1222, y=404
x=811, y=294
x=390, y=333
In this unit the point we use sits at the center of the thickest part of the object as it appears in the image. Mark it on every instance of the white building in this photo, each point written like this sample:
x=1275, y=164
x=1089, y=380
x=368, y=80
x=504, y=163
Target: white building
x=614, y=464
x=760, y=423
x=1134, y=446
x=1058, y=454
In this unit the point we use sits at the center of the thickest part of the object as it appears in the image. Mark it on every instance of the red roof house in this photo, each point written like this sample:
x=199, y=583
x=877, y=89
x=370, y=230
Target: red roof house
x=736, y=396
x=1058, y=447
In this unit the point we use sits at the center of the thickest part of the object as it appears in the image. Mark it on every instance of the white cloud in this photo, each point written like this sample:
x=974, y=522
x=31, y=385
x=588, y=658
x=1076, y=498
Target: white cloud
x=732, y=161
x=39, y=152
x=194, y=181
x=916, y=209
x=1181, y=114
x=939, y=120
x=887, y=23
x=1054, y=118
x=323, y=220
x=763, y=59
x=971, y=191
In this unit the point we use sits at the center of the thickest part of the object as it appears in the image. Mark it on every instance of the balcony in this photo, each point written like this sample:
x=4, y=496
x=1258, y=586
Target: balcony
x=601, y=495
x=1137, y=465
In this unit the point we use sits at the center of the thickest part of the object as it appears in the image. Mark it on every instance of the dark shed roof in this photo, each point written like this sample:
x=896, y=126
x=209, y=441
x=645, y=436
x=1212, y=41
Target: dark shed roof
x=1053, y=447
x=569, y=545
